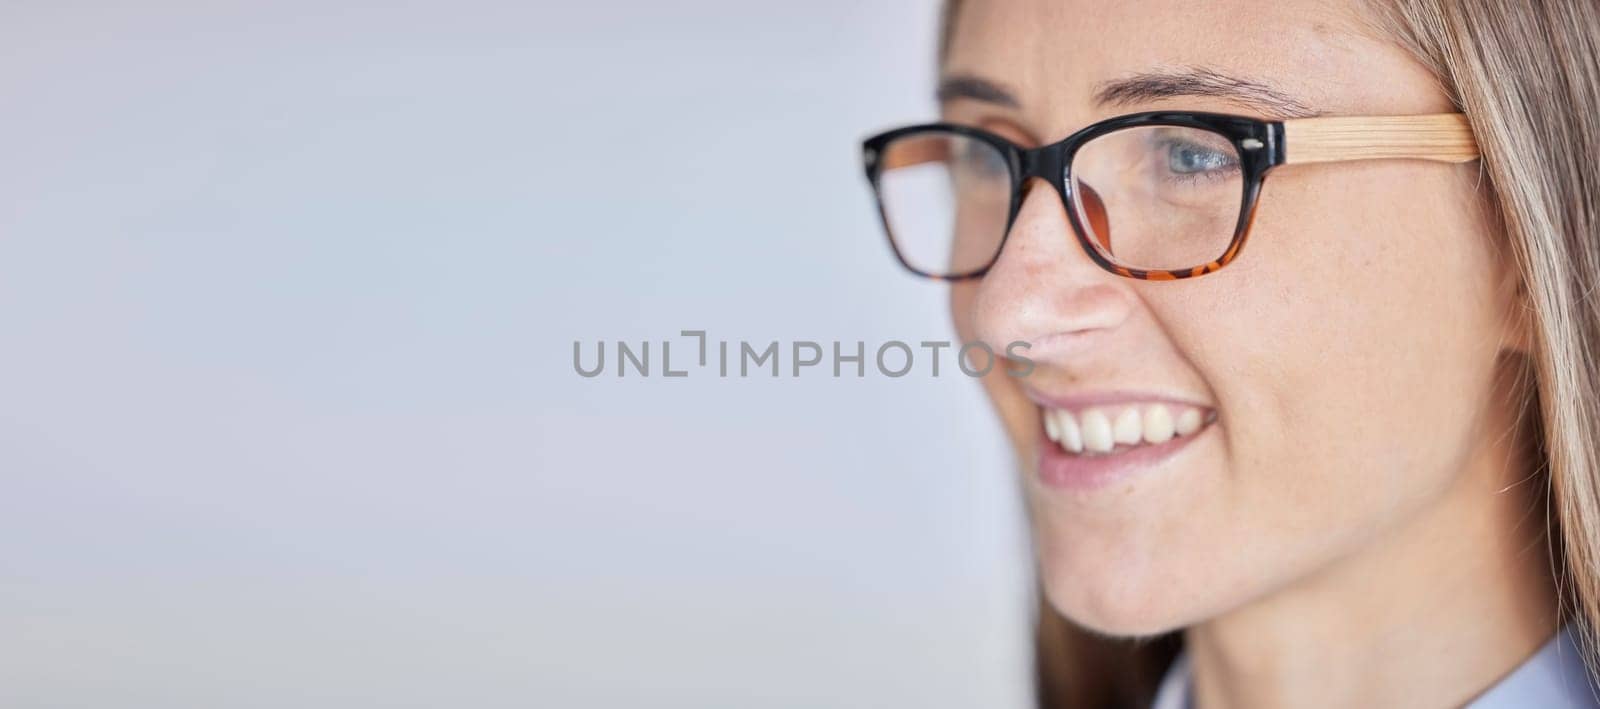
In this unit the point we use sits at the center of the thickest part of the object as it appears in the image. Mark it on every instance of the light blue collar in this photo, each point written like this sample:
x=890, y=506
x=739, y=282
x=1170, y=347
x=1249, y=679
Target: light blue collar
x=1553, y=677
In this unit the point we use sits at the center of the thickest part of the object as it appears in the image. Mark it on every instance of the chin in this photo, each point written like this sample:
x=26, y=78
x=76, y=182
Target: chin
x=1141, y=554
x=1121, y=591
x=1114, y=612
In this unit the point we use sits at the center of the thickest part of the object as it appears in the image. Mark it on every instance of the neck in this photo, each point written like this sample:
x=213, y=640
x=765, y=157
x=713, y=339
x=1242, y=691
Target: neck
x=1430, y=614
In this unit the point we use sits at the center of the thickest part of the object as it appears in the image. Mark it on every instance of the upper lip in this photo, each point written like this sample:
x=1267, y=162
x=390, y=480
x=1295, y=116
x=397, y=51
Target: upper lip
x=1073, y=401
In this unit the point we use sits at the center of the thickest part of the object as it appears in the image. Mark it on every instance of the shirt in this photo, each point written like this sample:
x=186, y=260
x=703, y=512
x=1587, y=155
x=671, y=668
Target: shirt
x=1554, y=677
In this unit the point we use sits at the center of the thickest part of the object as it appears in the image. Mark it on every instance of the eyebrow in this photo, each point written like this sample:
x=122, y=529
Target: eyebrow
x=972, y=87
x=1145, y=87
x=1201, y=82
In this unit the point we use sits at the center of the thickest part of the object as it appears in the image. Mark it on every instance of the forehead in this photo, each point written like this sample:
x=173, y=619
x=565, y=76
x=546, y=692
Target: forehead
x=1055, y=54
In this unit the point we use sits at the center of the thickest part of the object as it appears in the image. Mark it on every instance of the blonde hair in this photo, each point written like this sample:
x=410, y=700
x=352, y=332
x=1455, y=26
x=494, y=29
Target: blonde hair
x=1527, y=75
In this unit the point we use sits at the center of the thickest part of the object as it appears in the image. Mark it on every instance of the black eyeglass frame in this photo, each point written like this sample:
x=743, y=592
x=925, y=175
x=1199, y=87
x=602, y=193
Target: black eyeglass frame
x=1260, y=144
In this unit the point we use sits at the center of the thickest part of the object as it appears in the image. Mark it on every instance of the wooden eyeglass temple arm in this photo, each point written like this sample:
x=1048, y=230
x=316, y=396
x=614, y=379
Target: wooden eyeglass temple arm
x=1445, y=137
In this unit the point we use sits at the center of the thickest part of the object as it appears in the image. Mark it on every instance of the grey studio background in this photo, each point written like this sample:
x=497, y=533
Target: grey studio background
x=288, y=414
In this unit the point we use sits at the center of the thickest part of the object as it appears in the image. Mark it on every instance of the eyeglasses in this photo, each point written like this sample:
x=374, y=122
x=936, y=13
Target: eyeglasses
x=1160, y=195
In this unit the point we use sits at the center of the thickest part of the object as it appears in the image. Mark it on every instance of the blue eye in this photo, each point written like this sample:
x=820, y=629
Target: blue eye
x=1185, y=158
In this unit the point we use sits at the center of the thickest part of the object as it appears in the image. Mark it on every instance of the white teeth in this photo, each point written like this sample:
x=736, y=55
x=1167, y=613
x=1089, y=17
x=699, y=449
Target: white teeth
x=1188, y=422
x=1157, y=424
x=1071, y=435
x=1093, y=430
x=1128, y=429
x=1097, y=432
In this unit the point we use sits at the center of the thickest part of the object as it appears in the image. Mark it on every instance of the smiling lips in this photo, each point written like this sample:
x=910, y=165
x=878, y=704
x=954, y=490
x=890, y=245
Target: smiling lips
x=1102, y=430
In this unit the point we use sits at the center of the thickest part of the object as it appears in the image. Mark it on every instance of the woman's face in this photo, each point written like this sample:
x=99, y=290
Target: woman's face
x=1343, y=368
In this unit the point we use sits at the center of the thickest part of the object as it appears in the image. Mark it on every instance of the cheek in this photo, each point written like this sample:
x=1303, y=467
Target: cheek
x=1356, y=348
x=1349, y=352
x=1382, y=302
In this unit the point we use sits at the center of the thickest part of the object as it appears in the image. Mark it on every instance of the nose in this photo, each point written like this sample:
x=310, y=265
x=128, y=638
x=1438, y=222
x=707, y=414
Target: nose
x=1044, y=290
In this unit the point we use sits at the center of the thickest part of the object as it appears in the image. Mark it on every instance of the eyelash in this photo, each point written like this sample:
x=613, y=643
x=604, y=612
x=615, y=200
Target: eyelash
x=1221, y=173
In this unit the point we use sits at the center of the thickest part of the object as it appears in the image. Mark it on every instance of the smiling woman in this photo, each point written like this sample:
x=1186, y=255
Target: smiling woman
x=1354, y=464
